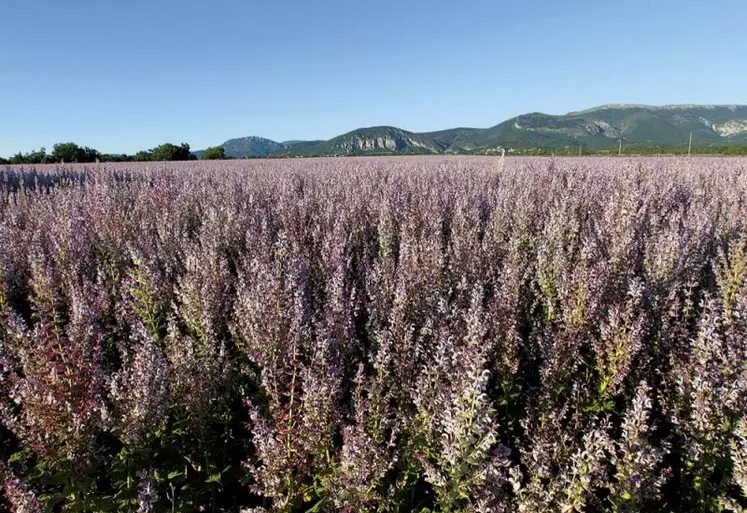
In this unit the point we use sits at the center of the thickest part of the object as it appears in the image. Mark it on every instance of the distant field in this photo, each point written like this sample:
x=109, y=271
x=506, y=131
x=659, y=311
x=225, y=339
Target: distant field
x=406, y=334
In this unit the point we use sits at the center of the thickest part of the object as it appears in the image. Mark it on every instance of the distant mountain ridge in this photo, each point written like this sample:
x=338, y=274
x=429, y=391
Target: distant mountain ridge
x=596, y=129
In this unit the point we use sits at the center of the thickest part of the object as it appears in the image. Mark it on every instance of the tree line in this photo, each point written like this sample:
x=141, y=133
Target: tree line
x=72, y=153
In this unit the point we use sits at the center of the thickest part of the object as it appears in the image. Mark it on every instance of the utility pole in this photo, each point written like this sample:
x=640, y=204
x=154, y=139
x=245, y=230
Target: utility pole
x=579, y=150
x=620, y=150
x=690, y=146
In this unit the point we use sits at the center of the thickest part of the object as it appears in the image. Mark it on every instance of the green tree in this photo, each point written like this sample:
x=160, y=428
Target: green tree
x=71, y=152
x=214, y=153
x=17, y=159
x=4, y=162
x=35, y=157
x=65, y=152
x=89, y=155
x=38, y=157
x=170, y=151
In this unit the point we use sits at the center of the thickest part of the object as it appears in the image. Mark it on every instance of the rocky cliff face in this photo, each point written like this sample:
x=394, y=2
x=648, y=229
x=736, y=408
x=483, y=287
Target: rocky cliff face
x=731, y=128
x=381, y=139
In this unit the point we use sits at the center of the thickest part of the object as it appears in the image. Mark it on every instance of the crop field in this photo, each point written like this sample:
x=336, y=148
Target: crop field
x=375, y=335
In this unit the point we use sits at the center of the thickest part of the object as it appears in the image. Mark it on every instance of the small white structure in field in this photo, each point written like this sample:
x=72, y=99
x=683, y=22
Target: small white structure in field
x=502, y=160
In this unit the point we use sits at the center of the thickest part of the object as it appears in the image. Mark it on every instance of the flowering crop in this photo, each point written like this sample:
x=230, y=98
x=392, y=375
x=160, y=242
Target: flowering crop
x=375, y=335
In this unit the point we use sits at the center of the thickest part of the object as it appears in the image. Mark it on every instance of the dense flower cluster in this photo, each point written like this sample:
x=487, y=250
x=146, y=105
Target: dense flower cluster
x=375, y=335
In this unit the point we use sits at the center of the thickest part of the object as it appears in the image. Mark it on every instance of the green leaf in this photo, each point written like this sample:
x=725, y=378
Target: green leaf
x=15, y=457
x=317, y=506
x=173, y=475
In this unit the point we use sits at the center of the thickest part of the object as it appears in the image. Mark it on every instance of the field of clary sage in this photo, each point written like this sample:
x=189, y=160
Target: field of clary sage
x=375, y=335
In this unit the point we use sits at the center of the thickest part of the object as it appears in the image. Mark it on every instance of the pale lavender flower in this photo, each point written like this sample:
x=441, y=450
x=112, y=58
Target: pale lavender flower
x=147, y=495
x=639, y=473
x=140, y=390
x=18, y=495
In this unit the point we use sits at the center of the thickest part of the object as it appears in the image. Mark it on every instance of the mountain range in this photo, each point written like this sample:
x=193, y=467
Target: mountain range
x=595, y=130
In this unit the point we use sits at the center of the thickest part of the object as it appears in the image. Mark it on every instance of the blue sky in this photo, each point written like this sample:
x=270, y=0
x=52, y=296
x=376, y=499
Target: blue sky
x=124, y=76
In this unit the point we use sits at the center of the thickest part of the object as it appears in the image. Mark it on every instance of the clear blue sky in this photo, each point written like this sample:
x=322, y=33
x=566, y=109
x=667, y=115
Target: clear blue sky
x=121, y=76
